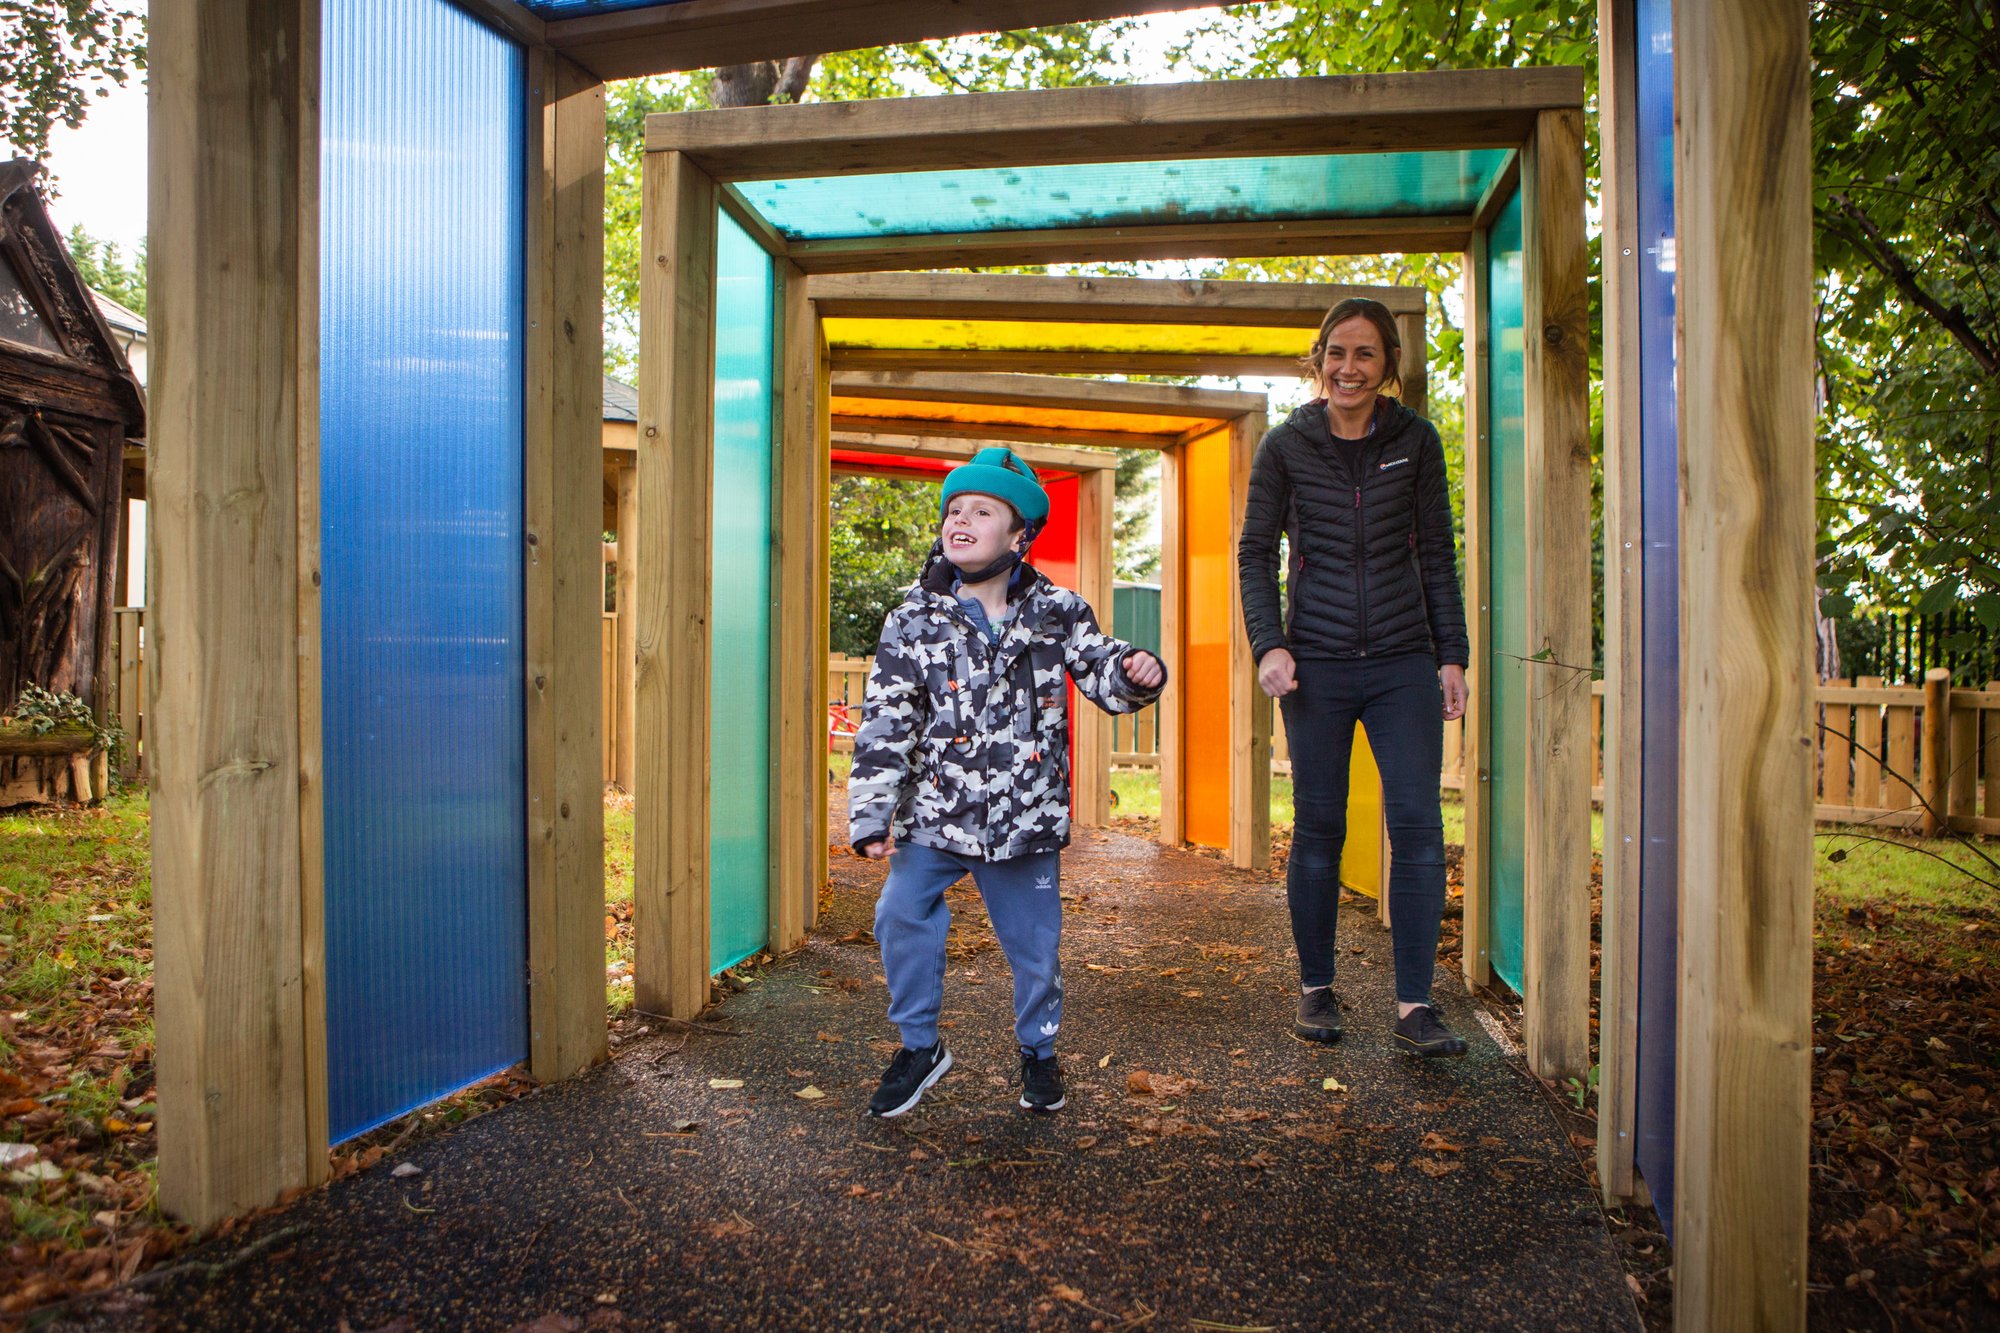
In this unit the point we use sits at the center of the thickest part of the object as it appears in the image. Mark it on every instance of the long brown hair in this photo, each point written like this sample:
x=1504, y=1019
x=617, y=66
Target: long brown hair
x=1375, y=313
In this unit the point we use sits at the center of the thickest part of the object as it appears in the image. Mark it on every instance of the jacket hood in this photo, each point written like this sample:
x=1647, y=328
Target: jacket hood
x=1391, y=420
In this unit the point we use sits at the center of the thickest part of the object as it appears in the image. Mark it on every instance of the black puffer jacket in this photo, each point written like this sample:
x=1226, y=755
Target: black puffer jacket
x=1373, y=571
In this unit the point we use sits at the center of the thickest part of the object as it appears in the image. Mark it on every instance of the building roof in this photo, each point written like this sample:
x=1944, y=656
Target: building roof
x=621, y=401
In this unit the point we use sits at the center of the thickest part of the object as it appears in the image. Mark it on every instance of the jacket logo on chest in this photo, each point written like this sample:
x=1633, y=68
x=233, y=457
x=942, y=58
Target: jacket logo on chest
x=1396, y=462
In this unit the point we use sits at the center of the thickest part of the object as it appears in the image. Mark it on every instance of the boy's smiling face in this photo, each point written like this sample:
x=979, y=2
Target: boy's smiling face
x=977, y=530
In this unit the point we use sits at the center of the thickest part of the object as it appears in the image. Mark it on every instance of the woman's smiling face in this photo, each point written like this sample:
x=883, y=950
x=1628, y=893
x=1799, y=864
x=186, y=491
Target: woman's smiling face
x=1355, y=365
x=977, y=529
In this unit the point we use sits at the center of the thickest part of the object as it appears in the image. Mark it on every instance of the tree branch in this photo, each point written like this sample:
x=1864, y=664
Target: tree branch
x=1951, y=318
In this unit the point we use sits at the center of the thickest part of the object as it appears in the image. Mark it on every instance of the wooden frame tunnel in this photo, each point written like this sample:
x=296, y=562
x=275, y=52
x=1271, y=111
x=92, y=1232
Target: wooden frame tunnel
x=236, y=740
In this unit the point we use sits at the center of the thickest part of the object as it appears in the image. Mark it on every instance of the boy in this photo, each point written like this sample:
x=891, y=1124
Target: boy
x=962, y=765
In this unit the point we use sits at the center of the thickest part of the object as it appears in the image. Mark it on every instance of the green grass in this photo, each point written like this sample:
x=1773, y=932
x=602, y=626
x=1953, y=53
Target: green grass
x=617, y=892
x=76, y=898
x=1939, y=874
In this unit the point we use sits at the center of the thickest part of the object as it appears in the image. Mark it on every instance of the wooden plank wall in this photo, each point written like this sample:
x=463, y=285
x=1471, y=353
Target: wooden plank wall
x=1475, y=957
x=676, y=490
x=1745, y=310
x=233, y=183
x=564, y=585
x=1556, y=939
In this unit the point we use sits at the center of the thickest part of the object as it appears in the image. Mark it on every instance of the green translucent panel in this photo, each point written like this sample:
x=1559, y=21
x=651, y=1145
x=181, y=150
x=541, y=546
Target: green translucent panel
x=1507, y=791
x=739, y=863
x=1240, y=189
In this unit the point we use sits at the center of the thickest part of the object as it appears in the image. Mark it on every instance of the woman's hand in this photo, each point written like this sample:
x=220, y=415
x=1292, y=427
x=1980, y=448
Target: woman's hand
x=1452, y=678
x=1277, y=674
x=1143, y=669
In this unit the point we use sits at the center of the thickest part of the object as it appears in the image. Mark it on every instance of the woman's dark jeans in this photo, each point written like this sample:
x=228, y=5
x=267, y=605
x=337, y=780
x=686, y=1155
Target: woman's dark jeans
x=1399, y=701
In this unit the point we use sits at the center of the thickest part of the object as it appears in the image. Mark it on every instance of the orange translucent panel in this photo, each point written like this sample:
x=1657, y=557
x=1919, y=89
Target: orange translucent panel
x=990, y=414
x=1210, y=628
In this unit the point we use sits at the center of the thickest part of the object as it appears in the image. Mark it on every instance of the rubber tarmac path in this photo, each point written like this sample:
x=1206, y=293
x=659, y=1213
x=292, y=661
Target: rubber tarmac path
x=1205, y=1173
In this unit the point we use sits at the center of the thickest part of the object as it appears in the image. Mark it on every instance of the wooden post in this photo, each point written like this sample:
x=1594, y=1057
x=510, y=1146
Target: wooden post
x=1964, y=750
x=1989, y=748
x=676, y=493
x=1411, y=328
x=626, y=609
x=131, y=693
x=821, y=409
x=1090, y=766
x=1475, y=947
x=1555, y=961
x=1937, y=758
x=1624, y=664
x=233, y=189
x=1744, y=304
x=1173, y=640
x=564, y=584
x=1249, y=706
x=798, y=638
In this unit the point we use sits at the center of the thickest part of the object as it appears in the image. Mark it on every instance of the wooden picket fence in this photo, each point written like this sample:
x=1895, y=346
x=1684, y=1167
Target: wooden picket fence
x=1885, y=752
x=1888, y=752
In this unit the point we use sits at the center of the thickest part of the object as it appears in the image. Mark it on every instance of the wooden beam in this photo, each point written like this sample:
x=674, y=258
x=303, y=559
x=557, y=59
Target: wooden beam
x=701, y=34
x=1624, y=664
x=1745, y=310
x=1498, y=191
x=820, y=408
x=1040, y=391
x=1136, y=241
x=509, y=17
x=626, y=608
x=1090, y=766
x=1414, y=331
x=311, y=653
x=1022, y=432
x=233, y=183
x=564, y=586
x=676, y=493
x=1061, y=362
x=1438, y=109
x=957, y=450
x=1249, y=706
x=1173, y=644
x=1555, y=961
x=798, y=730
x=1280, y=305
x=1476, y=944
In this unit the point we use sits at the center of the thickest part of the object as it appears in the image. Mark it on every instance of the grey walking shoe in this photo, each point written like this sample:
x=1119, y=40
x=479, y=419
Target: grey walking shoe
x=1319, y=1016
x=1422, y=1032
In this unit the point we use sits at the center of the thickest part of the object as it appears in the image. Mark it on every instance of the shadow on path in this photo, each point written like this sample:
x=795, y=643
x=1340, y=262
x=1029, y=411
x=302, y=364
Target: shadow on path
x=1241, y=1191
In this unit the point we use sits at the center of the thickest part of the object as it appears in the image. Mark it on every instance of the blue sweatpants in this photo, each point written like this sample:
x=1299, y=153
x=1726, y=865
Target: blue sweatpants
x=1023, y=899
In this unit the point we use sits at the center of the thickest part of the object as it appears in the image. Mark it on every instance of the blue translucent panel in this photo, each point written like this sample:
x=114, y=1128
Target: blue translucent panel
x=421, y=470
x=569, y=9
x=1241, y=189
x=1507, y=594
x=739, y=863
x=1659, y=630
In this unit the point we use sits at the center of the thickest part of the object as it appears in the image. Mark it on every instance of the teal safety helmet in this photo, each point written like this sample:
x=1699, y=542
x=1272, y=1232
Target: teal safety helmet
x=999, y=471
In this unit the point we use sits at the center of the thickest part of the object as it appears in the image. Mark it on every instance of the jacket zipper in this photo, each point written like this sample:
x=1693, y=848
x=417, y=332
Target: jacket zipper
x=1361, y=569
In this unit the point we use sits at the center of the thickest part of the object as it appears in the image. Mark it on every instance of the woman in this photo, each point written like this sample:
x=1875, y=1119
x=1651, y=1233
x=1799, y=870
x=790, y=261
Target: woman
x=1375, y=634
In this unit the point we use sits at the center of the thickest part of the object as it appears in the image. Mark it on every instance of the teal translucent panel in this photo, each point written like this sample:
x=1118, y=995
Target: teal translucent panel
x=1241, y=189
x=1508, y=594
x=739, y=865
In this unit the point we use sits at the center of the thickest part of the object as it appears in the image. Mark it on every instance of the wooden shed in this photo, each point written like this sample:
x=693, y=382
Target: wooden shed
x=68, y=404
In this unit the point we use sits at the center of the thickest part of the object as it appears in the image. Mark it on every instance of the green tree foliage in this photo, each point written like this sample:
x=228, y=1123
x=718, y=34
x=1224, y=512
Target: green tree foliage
x=54, y=55
x=104, y=267
x=881, y=529
x=1906, y=133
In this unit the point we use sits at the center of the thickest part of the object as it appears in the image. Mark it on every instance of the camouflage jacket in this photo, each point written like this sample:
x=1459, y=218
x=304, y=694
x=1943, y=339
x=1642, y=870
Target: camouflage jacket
x=964, y=743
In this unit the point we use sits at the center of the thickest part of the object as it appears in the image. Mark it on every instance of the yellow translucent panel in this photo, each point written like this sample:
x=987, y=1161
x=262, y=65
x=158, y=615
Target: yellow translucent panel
x=1361, y=859
x=991, y=414
x=1036, y=336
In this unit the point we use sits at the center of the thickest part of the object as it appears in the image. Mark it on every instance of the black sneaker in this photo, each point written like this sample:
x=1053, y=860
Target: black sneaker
x=1422, y=1032
x=1319, y=1016
x=909, y=1077
x=1041, y=1083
